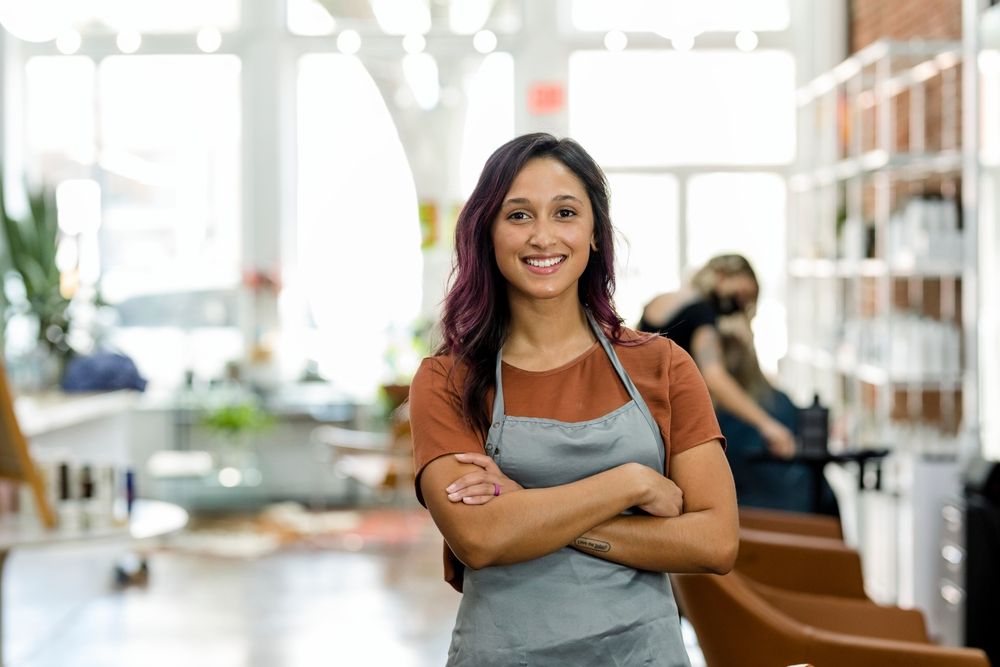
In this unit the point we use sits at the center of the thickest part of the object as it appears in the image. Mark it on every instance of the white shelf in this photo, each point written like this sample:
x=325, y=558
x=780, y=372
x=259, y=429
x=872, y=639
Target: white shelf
x=909, y=164
x=808, y=355
x=842, y=268
x=930, y=57
x=51, y=411
x=801, y=267
x=868, y=372
x=150, y=518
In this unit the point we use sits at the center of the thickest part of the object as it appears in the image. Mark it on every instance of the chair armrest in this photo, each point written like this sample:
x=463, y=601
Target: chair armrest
x=348, y=438
x=827, y=648
x=847, y=615
x=792, y=562
x=797, y=523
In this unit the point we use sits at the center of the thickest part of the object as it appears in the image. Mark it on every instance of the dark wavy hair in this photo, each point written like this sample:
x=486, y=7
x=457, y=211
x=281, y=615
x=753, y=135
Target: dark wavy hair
x=476, y=315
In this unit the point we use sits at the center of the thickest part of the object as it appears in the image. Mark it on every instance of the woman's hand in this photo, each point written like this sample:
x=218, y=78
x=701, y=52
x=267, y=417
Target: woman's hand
x=481, y=486
x=661, y=497
x=780, y=440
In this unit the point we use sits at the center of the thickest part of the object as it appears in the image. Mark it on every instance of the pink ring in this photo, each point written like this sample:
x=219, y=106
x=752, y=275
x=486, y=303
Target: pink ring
x=496, y=489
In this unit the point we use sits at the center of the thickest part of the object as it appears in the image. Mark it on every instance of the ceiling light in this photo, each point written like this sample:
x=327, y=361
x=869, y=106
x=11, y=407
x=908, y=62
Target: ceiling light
x=414, y=43
x=484, y=41
x=615, y=40
x=209, y=40
x=129, y=41
x=349, y=42
x=68, y=42
x=746, y=40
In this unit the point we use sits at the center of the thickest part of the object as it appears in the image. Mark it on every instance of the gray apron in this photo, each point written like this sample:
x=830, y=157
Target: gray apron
x=569, y=608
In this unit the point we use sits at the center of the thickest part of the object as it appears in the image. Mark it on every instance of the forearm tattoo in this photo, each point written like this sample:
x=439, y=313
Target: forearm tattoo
x=587, y=544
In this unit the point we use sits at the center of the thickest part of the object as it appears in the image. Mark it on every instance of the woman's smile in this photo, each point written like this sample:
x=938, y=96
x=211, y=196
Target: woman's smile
x=544, y=266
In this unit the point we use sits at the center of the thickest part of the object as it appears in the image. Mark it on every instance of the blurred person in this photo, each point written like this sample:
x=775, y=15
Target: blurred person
x=760, y=482
x=724, y=286
x=568, y=461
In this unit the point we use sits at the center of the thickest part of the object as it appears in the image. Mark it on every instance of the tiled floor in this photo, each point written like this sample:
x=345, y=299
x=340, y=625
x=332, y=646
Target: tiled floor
x=292, y=608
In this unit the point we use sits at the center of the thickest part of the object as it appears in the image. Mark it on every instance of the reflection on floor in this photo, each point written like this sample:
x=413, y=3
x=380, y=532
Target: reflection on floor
x=294, y=607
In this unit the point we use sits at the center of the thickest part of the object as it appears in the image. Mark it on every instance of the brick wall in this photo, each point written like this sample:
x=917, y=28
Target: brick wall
x=904, y=19
x=872, y=20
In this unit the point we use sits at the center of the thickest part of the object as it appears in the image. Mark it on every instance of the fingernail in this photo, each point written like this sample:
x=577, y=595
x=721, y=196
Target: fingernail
x=452, y=495
x=450, y=488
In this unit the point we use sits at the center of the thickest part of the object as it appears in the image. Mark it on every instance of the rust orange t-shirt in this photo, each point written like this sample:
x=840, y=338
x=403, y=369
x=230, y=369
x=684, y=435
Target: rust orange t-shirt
x=585, y=388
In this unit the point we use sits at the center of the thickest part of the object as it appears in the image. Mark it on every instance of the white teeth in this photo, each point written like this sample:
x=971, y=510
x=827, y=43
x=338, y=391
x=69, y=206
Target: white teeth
x=545, y=263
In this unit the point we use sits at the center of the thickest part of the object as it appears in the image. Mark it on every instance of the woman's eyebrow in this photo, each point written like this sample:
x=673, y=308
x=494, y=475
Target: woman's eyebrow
x=566, y=197
x=522, y=201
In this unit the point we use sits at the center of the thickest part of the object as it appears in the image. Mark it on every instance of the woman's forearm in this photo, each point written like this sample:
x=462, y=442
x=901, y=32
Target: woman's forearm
x=731, y=397
x=703, y=541
x=530, y=523
x=705, y=538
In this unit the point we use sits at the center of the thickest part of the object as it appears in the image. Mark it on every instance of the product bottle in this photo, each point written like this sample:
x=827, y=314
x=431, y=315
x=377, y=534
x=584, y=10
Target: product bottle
x=86, y=497
x=67, y=509
x=129, y=490
x=814, y=428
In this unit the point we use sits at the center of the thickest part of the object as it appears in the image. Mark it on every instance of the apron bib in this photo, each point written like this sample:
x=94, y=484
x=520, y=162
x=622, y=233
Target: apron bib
x=569, y=608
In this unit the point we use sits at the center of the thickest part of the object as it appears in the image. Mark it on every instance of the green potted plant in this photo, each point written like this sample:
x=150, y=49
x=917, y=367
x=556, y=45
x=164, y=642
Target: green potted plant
x=234, y=425
x=31, y=243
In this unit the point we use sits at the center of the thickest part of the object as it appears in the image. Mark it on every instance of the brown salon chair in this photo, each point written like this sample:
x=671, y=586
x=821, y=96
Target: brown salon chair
x=379, y=460
x=795, y=523
x=801, y=563
x=741, y=624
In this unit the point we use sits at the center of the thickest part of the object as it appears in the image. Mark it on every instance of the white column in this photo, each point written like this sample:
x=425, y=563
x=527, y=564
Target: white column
x=268, y=94
x=540, y=58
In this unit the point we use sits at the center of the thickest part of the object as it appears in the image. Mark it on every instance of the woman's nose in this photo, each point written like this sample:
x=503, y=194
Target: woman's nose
x=541, y=234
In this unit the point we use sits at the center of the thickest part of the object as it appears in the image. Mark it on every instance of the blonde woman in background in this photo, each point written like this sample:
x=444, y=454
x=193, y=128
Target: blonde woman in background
x=726, y=285
x=760, y=480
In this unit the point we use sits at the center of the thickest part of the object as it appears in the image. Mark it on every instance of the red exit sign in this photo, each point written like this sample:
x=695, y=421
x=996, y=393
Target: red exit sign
x=545, y=98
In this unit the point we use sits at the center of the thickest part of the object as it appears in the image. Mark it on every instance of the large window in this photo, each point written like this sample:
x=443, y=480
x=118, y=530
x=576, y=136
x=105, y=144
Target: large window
x=715, y=107
x=697, y=169
x=170, y=159
x=489, y=117
x=644, y=212
x=359, y=232
x=745, y=213
x=150, y=147
x=667, y=15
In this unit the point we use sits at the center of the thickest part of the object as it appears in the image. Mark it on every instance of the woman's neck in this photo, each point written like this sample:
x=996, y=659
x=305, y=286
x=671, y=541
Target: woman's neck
x=547, y=333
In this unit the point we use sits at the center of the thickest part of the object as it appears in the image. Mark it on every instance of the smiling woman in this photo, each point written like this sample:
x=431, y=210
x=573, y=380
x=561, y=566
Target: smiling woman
x=542, y=241
x=569, y=462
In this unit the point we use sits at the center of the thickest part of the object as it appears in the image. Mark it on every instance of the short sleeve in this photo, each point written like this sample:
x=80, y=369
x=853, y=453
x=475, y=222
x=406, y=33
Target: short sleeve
x=693, y=419
x=436, y=421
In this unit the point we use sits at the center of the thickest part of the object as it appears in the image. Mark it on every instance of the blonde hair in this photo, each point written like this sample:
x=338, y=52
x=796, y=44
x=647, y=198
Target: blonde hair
x=706, y=278
x=740, y=359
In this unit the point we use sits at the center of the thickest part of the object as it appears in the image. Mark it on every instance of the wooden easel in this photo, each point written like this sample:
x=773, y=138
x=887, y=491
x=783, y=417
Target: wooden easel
x=15, y=461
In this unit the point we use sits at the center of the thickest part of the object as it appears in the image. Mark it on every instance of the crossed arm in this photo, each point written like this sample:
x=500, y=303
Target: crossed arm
x=523, y=524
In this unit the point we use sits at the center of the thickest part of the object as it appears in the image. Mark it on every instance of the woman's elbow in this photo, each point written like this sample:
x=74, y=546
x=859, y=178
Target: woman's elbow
x=725, y=558
x=726, y=555
x=476, y=559
x=475, y=551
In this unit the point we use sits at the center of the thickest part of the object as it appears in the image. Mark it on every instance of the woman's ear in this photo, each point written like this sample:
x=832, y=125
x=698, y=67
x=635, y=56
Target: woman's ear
x=593, y=244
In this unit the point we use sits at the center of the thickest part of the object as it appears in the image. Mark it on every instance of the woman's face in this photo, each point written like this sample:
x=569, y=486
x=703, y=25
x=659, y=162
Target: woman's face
x=738, y=288
x=542, y=235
